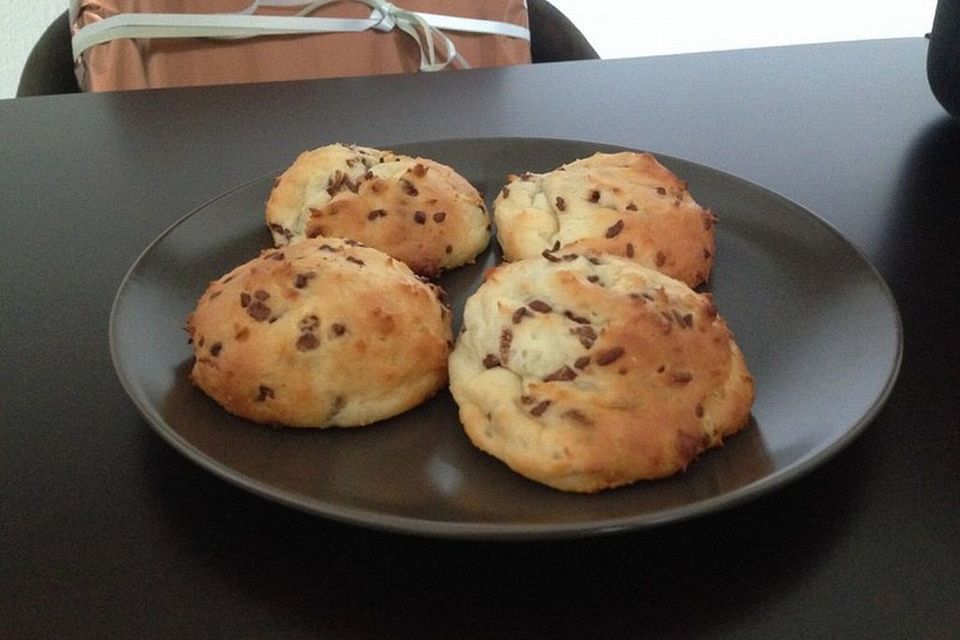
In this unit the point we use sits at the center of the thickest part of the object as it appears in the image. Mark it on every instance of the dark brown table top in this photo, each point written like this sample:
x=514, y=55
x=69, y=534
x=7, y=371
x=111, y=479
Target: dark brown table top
x=109, y=532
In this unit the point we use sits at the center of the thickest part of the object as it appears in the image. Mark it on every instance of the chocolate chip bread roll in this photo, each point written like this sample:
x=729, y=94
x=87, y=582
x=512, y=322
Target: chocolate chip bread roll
x=321, y=333
x=625, y=204
x=414, y=209
x=590, y=372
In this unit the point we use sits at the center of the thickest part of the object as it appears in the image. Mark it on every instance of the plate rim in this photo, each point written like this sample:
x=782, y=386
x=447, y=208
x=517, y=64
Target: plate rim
x=423, y=527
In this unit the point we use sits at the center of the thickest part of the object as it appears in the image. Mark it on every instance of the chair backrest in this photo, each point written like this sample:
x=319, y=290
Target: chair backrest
x=49, y=67
x=50, y=70
x=553, y=37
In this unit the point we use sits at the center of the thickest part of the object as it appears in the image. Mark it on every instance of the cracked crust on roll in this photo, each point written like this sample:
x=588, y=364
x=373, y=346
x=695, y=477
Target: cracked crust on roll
x=625, y=204
x=586, y=372
x=414, y=209
x=321, y=333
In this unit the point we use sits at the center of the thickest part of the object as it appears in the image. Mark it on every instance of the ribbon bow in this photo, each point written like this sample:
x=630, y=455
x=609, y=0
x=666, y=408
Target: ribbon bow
x=411, y=23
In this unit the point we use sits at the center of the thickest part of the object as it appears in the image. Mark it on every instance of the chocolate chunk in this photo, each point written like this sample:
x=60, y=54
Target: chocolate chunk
x=614, y=230
x=419, y=217
x=335, y=183
x=581, y=362
x=490, y=361
x=631, y=207
x=630, y=251
x=578, y=319
x=355, y=260
x=263, y=393
x=586, y=334
x=439, y=216
x=376, y=213
x=244, y=299
x=609, y=356
x=506, y=337
x=408, y=188
x=549, y=256
x=338, y=329
x=215, y=349
x=258, y=311
x=540, y=408
x=541, y=306
x=302, y=279
x=286, y=233
x=594, y=196
x=561, y=205
x=307, y=342
x=563, y=374
x=260, y=294
x=519, y=314
x=682, y=377
x=661, y=258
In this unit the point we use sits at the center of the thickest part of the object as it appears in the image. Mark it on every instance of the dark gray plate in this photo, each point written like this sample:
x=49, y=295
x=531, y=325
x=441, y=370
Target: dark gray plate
x=818, y=326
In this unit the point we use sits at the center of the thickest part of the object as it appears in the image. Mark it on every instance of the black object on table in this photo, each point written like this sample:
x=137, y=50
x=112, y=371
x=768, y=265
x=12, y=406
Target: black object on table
x=943, y=59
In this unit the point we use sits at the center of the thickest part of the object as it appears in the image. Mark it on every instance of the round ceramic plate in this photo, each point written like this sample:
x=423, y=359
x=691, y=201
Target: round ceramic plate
x=817, y=324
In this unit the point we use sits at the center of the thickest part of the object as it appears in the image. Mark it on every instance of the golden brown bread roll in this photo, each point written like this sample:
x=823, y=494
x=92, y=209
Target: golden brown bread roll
x=321, y=333
x=625, y=204
x=586, y=372
x=414, y=209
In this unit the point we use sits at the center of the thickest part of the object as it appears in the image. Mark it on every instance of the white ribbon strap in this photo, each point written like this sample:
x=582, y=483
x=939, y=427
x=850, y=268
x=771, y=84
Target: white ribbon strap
x=424, y=28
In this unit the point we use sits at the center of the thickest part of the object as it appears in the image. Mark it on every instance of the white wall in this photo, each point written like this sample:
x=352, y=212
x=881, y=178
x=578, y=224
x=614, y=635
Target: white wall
x=616, y=28
x=21, y=24
x=627, y=28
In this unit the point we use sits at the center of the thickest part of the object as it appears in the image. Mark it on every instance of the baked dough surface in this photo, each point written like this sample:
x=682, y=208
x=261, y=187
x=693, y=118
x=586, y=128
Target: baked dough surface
x=586, y=372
